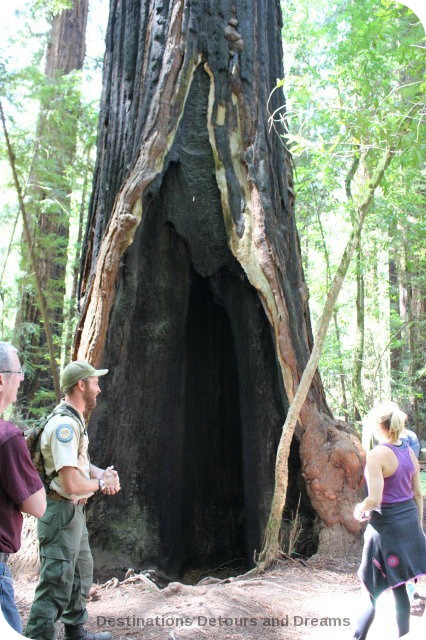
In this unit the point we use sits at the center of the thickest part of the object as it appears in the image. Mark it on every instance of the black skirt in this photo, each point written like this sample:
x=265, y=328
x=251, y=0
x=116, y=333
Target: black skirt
x=394, y=547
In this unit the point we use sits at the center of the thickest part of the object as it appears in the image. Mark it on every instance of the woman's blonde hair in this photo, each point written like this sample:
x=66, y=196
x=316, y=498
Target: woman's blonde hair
x=392, y=417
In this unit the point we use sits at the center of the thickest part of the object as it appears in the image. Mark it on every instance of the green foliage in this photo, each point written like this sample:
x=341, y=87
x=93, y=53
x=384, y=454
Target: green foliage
x=52, y=125
x=49, y=7
x=354, y=83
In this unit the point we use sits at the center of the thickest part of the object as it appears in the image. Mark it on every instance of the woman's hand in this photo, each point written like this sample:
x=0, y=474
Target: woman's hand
x=360, y=514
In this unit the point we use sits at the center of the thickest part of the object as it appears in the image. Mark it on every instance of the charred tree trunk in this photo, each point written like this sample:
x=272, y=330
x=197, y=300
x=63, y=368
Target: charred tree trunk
x=193, y=296
x=48, y=197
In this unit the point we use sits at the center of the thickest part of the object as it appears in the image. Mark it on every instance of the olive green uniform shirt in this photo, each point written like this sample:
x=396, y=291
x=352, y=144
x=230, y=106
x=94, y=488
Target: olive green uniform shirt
x=64, y=443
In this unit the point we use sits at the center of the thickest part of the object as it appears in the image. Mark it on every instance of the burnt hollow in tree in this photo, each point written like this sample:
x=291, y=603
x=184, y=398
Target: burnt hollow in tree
x=192, y=409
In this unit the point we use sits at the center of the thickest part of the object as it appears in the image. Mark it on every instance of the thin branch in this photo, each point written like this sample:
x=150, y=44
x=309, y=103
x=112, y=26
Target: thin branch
x=335, y=316
x=9, y=249
x=271, y=547
x=351, y=174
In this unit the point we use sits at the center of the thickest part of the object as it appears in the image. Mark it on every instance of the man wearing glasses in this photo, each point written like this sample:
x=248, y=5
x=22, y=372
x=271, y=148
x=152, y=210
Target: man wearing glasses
x=21, y=490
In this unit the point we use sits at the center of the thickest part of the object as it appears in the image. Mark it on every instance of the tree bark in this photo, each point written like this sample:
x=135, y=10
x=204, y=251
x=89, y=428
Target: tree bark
x=193, y=295
x=48, y=197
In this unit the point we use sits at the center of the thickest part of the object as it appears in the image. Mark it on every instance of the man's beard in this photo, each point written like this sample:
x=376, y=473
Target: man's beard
x=90, y=400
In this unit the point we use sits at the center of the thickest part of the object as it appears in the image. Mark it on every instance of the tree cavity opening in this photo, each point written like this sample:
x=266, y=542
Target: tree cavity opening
x=213, y=527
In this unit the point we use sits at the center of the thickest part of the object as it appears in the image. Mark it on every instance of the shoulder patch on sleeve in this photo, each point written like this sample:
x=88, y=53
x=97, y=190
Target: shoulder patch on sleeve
x=64, y=433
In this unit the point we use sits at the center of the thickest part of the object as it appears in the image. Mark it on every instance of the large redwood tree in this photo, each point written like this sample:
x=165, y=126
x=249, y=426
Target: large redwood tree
x=193, y=295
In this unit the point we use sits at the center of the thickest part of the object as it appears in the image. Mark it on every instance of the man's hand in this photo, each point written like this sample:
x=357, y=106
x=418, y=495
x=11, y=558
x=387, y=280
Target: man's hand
x=112, y=481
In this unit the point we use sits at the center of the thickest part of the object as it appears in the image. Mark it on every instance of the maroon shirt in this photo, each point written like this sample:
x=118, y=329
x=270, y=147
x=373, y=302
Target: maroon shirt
x=18, y=481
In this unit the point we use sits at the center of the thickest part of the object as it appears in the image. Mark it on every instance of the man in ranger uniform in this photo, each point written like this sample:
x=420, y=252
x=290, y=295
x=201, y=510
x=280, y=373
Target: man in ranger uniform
x=66, y=571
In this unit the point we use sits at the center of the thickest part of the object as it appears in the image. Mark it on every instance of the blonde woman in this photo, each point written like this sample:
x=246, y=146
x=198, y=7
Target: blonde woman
x=394, y=543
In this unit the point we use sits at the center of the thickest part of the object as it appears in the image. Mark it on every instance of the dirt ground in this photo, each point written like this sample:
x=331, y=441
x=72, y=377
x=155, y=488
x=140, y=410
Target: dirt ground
x=294, y=599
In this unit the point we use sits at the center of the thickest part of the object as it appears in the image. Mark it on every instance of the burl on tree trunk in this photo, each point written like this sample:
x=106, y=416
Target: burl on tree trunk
x=193, y=296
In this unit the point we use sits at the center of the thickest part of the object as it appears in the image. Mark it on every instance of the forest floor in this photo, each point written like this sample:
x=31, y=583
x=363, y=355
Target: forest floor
x=312, y=600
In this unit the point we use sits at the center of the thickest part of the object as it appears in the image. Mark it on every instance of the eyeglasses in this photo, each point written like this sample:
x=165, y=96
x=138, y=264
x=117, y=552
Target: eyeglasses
x=21, y=371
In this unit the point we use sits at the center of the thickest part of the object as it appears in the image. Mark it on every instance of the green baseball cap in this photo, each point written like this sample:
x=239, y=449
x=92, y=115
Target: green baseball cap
x=78, y=370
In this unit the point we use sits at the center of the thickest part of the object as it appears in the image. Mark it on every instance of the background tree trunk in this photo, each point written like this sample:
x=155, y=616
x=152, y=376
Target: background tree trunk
x=406, y=331
x=417, y=337
x=72, y=303
x=398, y=317
x=193, y=296
x=357, y=391
x=342, y=374
x=48, y=198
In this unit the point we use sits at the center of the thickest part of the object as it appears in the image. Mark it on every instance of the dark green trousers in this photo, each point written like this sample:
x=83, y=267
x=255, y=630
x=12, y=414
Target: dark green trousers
x=66, y=571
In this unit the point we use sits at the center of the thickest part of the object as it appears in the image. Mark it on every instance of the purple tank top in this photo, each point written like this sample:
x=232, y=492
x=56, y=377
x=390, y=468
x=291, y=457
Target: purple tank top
x=398, y=486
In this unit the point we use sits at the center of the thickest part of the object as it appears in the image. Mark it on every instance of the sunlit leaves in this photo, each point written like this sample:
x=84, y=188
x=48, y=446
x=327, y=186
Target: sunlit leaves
x=354, y=85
